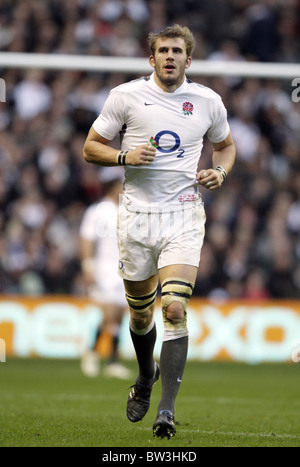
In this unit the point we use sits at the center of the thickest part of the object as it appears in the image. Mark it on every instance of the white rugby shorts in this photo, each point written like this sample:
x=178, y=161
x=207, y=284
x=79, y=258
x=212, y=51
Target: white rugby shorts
x=108, y=290
x=151, y=240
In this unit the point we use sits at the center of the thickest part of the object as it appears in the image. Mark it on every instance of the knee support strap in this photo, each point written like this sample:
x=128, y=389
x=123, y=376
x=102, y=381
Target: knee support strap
x=141, y=303
x=179, y=290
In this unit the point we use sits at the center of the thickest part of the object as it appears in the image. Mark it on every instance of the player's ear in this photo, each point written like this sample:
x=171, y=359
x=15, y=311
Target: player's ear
x=188, y=62
x=152, y=61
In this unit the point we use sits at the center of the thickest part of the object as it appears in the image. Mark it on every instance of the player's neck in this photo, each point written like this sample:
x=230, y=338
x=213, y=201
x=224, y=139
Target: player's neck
x=166, y=87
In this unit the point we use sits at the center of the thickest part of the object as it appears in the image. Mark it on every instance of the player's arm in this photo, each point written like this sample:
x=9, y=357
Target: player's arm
x=96, y=150
x=223, y=159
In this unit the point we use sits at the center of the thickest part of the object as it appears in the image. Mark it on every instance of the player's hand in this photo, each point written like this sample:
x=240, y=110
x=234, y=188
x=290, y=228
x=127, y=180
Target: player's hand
x=88, y=271
x=210, y=179
x=88, y=278
x=142, y=155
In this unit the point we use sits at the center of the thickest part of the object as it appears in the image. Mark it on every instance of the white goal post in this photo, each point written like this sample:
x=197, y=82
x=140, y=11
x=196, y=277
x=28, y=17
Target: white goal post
x=141, y=65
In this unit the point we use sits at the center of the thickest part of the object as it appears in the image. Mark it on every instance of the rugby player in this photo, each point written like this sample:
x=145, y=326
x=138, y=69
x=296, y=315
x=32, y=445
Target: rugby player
x=162, y=119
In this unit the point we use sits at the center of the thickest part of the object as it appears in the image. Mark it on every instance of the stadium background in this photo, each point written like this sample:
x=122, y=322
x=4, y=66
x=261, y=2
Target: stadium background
x=252, y=247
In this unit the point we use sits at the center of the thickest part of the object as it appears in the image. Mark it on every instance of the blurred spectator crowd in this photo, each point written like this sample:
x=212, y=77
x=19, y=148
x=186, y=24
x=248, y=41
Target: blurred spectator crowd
x=252, y=246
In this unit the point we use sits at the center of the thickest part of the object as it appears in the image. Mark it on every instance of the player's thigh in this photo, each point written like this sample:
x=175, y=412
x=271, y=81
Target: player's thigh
x=144, y=287
x=182, y=271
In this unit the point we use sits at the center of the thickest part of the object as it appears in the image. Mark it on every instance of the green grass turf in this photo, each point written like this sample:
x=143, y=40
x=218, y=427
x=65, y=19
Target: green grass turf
x=51, y=403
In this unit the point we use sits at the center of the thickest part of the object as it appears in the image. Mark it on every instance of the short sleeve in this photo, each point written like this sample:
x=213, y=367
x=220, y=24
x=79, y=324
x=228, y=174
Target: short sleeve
x=111, y=120
x=220, y=128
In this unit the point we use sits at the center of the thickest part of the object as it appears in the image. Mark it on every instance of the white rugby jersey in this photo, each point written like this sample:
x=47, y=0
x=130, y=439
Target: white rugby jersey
x=99, y=225
x=177, y=121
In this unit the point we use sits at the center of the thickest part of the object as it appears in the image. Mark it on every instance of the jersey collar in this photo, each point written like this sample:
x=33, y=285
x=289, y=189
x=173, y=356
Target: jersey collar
x=157, y=88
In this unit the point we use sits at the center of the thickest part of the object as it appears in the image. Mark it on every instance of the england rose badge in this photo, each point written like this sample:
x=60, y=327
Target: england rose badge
x=187, y=108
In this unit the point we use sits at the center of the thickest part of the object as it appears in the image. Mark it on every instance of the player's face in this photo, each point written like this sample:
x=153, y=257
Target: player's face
x=170, y=61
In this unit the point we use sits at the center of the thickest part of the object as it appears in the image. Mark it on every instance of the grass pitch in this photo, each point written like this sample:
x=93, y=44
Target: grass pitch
x=50, y=403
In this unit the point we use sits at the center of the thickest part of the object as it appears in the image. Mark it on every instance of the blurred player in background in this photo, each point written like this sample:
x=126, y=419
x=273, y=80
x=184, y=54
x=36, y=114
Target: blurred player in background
x=162, y=119
x=99, y=260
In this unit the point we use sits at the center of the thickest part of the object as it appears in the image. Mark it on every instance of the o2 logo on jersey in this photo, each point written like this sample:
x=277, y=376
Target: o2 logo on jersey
x=162, y=144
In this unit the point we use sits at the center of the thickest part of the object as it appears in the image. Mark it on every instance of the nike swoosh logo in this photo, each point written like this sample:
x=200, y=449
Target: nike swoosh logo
x=148, y=104
x=179, y=380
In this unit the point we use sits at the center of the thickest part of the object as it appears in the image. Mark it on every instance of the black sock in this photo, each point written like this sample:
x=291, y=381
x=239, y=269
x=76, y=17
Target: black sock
x=144, y=346
x=97, y=337
x=115, y=344
x=172, y=363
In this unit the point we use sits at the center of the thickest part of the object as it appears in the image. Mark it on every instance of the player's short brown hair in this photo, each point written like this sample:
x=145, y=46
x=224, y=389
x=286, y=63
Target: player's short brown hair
x=170, y=32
